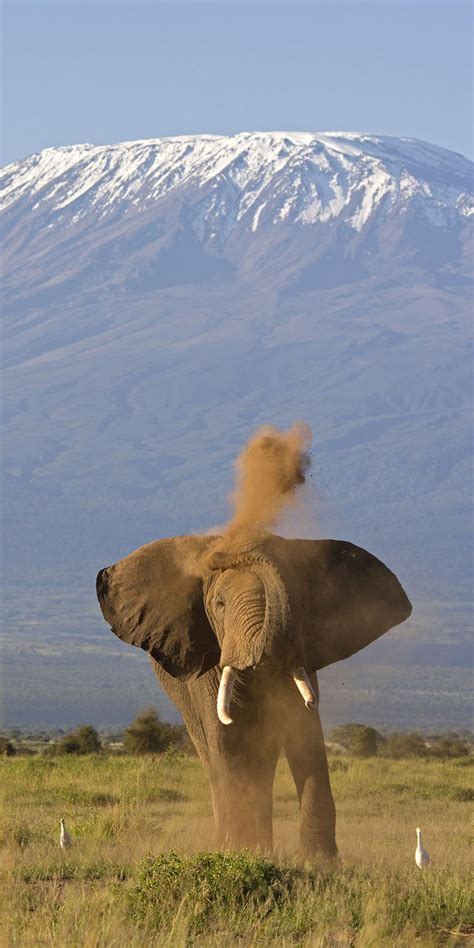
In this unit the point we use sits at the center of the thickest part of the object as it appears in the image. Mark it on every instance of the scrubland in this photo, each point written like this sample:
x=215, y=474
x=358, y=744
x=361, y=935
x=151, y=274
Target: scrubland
x=141, y=871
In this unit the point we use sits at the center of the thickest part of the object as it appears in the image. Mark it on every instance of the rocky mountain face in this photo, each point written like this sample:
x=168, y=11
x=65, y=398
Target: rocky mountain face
x=164, y=298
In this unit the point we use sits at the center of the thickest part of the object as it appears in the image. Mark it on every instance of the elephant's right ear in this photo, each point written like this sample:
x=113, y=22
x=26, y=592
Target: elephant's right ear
x=154, y=599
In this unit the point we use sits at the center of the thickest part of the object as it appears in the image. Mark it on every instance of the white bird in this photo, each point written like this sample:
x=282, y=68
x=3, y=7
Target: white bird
x=65, y=838
x=421, y=856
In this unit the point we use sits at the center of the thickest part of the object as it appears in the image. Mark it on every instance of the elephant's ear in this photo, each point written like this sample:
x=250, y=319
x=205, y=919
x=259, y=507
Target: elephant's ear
x=341, y=597
x=153, y=599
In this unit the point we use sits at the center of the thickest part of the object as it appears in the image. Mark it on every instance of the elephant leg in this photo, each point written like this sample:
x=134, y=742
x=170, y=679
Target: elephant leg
x=242, y=789
x=306, y=755
x=240, y=760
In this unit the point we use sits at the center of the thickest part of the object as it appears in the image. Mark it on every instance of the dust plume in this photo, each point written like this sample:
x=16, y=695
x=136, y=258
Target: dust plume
x=268, y=471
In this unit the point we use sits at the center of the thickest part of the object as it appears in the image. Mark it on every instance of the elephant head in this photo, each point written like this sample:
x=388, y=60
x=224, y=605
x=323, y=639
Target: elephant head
x=258, y=601
x=246, y=601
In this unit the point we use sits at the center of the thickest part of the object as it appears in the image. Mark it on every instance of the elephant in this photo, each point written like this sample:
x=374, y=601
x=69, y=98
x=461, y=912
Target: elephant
x=237, y=629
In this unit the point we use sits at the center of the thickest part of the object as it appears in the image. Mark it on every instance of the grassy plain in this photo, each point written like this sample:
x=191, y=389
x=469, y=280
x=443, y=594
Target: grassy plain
x=104, y=893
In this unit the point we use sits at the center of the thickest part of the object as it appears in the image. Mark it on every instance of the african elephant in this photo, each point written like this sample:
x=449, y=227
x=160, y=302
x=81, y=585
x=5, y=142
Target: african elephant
x=236, y=630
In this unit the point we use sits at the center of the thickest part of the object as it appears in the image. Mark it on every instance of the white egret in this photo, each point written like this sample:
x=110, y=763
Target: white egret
x=65, y=838
x=421, y=856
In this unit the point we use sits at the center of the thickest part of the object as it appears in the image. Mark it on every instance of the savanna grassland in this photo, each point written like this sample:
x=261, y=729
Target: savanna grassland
x=136, y=874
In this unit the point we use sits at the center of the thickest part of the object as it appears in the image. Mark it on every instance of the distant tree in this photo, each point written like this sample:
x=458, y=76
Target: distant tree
x=447, y=746
x=405, y=745
x=7, y=749
x=148, y=735
x=359, y=739
x=364, y=742
x=83, y=740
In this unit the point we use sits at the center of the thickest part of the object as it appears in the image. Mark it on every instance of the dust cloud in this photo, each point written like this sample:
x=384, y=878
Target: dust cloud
x=272, y=465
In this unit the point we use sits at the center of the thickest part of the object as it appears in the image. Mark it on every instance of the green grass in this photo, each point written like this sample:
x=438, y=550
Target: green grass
x=140, y=871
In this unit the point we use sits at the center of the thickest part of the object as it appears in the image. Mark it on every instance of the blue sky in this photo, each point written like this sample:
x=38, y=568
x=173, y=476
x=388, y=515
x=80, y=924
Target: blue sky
x=109, y=71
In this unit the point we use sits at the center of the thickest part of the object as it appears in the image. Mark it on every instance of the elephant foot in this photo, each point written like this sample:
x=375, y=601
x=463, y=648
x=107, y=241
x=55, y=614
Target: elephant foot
x=325, y=858
x=239, y=843
x=254, y=839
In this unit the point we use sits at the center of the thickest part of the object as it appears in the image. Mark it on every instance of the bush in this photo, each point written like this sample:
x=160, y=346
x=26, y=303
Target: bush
x=212, y=884
x=7, y=749
x=255, y=901
x=443, y=746
x=405, y=745
x=448, y=747
x=359, y=739
x=22, y=835
x=148, y=735
x=84, y=740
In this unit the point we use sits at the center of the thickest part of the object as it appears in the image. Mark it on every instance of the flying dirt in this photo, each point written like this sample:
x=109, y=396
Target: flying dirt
x=268, y=472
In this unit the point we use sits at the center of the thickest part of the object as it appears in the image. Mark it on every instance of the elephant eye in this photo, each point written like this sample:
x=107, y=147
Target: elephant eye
x=219, y=602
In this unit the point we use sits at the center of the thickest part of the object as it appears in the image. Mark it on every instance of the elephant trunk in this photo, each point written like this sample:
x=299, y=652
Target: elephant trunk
x=224, y=695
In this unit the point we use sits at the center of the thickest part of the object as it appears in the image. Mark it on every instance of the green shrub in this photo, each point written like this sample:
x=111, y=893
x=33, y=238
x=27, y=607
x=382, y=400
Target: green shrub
x=148, y=735
x=214, y=885
x=405, y=745
x=83, y=740
x=7, y=749
x=22, y=835
x=359, y=739
x=448, y=747
x=242, y=895
x=443, y=746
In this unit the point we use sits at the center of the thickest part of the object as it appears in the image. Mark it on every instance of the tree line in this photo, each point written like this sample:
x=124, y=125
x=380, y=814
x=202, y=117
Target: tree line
x=148, y=734
x=364, y=741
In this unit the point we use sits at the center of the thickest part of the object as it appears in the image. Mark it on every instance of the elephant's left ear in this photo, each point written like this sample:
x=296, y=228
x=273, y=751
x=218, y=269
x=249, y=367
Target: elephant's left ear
x=353, y=598
x=154, y=599
x=341, y=597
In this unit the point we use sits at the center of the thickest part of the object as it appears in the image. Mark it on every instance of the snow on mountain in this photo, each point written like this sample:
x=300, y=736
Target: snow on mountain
x=163, y=298
x=306, y=177
x=277, y=212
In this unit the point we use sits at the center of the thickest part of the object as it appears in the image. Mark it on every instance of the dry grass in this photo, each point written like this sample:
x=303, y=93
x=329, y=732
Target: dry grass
x=119, y=810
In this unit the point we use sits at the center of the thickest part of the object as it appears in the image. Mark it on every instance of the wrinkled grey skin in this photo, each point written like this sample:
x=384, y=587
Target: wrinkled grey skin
x=265, y=608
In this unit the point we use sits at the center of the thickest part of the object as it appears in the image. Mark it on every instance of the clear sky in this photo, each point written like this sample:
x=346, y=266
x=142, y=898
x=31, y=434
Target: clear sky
x=107, y=71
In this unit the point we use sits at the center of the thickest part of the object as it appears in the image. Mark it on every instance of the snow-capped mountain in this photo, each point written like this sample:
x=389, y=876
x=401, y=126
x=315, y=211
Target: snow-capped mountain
x=258, y=180
x=164, y=298
x=305, y=210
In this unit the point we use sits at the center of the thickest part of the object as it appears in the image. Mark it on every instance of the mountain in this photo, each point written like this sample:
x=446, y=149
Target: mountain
x=296, y=213
x=164, y=298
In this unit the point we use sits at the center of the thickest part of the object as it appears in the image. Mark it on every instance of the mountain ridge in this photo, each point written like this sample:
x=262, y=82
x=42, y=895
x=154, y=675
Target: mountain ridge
x=127, y=329
x=145, y=342
x=241, y=157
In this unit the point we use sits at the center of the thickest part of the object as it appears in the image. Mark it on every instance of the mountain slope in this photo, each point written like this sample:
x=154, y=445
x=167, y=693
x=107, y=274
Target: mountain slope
x=163, y=298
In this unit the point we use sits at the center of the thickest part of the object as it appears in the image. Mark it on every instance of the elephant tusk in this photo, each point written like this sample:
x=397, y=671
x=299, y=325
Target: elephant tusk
x=305, y=687
x=224, y=696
